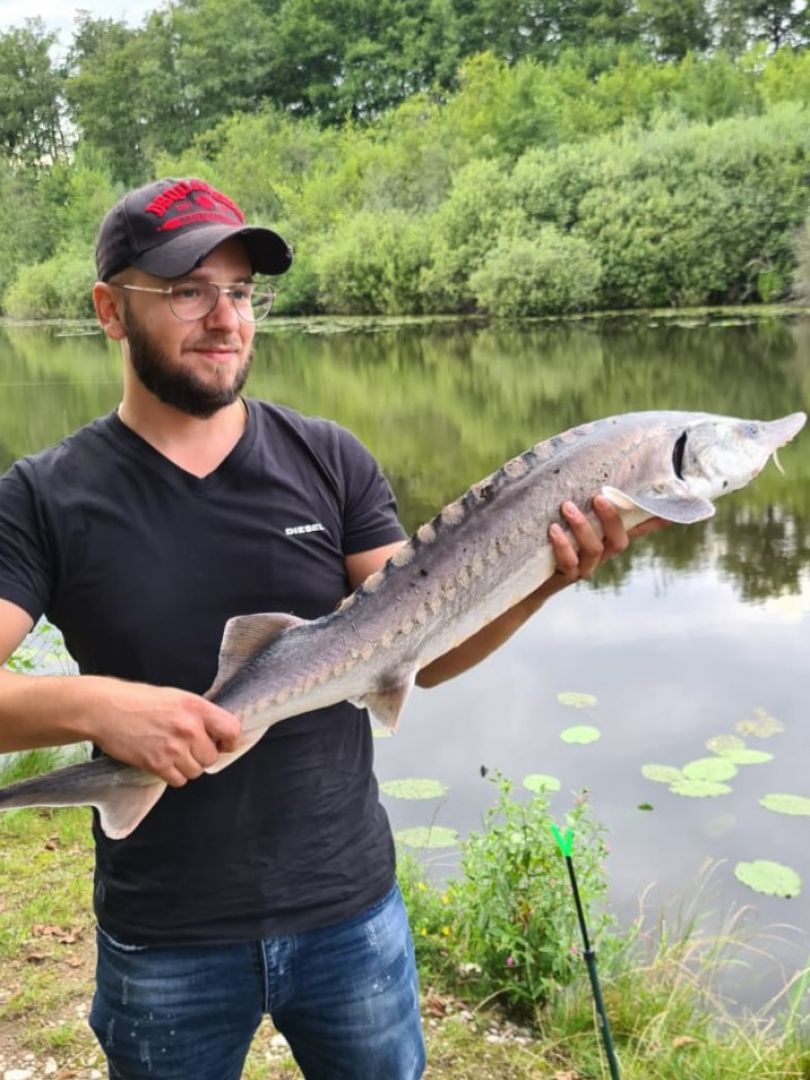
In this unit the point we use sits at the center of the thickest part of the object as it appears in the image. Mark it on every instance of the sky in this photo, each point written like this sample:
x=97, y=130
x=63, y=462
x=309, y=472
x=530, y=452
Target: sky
x=59, y=15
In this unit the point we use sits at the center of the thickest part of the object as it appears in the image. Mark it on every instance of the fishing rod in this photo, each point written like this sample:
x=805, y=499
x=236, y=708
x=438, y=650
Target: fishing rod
x=566, y=844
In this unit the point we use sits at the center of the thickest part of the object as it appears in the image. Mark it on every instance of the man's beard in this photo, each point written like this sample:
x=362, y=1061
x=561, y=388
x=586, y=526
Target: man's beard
x=178, y=388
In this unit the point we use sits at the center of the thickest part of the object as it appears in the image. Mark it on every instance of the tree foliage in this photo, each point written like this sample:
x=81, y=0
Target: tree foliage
x=594, y=156
x=30, y=97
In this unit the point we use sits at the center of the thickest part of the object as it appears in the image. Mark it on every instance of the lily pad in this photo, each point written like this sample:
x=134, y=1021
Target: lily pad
x=414, y=788
x=744, y=756
x=699, y=789
x=581, y=734
x=762, y=727
x=718, y=744
x=786, y=804
x=423, y=837
x=574, y=700
x=540, y=783
x=645, y=806
x=661, y=774
x=716, y=769
x=768, y=877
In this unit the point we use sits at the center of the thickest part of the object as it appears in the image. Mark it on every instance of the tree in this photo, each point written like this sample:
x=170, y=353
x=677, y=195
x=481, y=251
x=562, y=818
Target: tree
x=674, y=28
x=741, y=23
x=543, y=28
x=220, y=59
x=106, y=95
x=30, y=96
x=342, y=59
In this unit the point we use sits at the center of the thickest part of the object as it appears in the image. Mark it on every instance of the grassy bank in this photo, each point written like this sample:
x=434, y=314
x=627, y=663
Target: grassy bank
x=529, y=1015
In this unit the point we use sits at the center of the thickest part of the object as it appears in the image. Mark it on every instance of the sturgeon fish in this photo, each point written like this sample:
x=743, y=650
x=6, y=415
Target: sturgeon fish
x=474, y=560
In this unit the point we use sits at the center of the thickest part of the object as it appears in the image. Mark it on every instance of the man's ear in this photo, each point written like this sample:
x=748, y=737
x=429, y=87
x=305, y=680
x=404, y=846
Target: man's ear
x=108, y=310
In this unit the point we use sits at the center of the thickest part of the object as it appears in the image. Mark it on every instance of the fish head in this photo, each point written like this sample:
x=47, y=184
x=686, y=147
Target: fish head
x=716, y=454
x=693, y=458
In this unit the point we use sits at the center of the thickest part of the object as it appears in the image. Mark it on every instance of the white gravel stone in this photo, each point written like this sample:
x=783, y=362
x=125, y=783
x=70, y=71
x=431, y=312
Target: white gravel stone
x=18, y=1074
x=278, y=1042
x=50, y=1066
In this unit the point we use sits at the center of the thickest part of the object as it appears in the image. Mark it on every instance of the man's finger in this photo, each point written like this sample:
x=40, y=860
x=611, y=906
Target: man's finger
x=173, y=777
x=221, y=726
x=566, y=559
x=591, y=547
x=616, y=537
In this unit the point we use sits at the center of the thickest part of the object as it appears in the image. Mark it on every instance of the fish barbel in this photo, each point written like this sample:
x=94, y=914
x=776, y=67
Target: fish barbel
x=478, y=557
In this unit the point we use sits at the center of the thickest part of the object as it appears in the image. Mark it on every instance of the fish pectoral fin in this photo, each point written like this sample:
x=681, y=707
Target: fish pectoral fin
x=386, y=704
x=683, y=509
x=243, y=637
x=122, y=809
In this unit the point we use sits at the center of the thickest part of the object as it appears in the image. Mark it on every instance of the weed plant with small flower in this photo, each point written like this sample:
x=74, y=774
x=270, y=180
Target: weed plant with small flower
x=432, y=918
x=514, y=912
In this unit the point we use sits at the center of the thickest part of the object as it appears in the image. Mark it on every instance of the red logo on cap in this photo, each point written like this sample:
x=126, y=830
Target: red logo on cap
x=192, y=202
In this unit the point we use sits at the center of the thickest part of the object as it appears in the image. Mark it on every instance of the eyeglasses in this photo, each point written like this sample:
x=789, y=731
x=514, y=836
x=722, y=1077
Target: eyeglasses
x=192, y=300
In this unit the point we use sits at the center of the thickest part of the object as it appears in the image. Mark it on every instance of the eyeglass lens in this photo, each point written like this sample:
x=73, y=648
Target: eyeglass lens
x=195, y=299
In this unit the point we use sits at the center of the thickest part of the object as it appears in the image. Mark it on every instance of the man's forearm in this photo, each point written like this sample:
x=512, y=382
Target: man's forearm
x=173, y=733
x=46, y=710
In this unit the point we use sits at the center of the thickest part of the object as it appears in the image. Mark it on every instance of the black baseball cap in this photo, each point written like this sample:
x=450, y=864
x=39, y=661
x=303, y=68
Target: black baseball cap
x=167, y=227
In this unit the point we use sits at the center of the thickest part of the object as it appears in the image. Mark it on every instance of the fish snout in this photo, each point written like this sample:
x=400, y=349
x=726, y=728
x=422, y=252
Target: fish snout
x=780, y=432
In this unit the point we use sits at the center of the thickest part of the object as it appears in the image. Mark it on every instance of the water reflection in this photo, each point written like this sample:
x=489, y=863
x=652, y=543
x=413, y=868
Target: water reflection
x=442, y=404
x=679, y=640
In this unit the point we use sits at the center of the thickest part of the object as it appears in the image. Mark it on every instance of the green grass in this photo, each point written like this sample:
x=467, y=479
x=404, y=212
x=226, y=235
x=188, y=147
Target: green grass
x=668, y=1020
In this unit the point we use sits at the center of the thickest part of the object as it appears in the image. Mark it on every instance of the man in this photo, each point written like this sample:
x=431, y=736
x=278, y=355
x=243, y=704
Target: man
x=268, y=887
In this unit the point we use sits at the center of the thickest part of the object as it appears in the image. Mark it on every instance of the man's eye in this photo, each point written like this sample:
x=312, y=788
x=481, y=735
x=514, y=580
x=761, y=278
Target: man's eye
x=187, y=292
x=241, y=293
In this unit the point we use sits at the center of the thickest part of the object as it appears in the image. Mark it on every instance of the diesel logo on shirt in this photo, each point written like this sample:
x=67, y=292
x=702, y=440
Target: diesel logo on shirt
x=297, y=530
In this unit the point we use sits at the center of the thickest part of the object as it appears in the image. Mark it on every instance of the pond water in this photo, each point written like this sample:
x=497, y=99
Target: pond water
x=692, y=632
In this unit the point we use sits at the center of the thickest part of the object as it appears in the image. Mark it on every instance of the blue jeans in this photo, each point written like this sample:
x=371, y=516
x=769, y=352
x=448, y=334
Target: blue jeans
x=345, y=997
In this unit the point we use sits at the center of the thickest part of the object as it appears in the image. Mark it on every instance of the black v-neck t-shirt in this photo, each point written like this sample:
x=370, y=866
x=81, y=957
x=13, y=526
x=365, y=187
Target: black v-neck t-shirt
x=140, y=564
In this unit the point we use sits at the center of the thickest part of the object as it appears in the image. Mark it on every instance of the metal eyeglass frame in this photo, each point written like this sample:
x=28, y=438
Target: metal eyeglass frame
x=228, y=290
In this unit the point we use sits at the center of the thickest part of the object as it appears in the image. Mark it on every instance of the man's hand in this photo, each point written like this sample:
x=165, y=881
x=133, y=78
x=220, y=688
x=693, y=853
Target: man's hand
x=172, y=733
x=578, y=558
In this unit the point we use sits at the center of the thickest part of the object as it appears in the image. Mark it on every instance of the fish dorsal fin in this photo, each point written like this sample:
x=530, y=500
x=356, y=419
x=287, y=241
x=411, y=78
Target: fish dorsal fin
x=244, y=636
x=683, y=509
x=386, y=704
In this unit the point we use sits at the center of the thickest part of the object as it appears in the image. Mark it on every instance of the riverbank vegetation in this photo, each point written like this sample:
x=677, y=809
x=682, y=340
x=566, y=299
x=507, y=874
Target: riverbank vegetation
x=504, y=988
x=441, y=158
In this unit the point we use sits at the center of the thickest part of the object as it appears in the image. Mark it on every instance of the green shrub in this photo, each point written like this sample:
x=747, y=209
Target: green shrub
x=551, y=275
x=514, y=912
x=463, y=231
x=59, y=288
x=801, y=275
x=372, y=265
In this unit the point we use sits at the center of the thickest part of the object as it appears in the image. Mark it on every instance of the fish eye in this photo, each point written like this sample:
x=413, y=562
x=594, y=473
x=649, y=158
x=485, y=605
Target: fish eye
x=752, y=430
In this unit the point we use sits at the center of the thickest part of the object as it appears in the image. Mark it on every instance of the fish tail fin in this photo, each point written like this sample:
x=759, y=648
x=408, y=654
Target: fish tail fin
x=122, y=794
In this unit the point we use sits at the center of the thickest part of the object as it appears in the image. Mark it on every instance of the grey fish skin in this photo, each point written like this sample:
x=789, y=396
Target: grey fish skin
x=474, y=560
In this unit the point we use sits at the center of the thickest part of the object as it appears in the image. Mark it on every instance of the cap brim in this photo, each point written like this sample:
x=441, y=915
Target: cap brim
x=267, y=251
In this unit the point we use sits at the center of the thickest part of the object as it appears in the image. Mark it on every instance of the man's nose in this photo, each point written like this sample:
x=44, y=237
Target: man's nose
x=223, y=313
